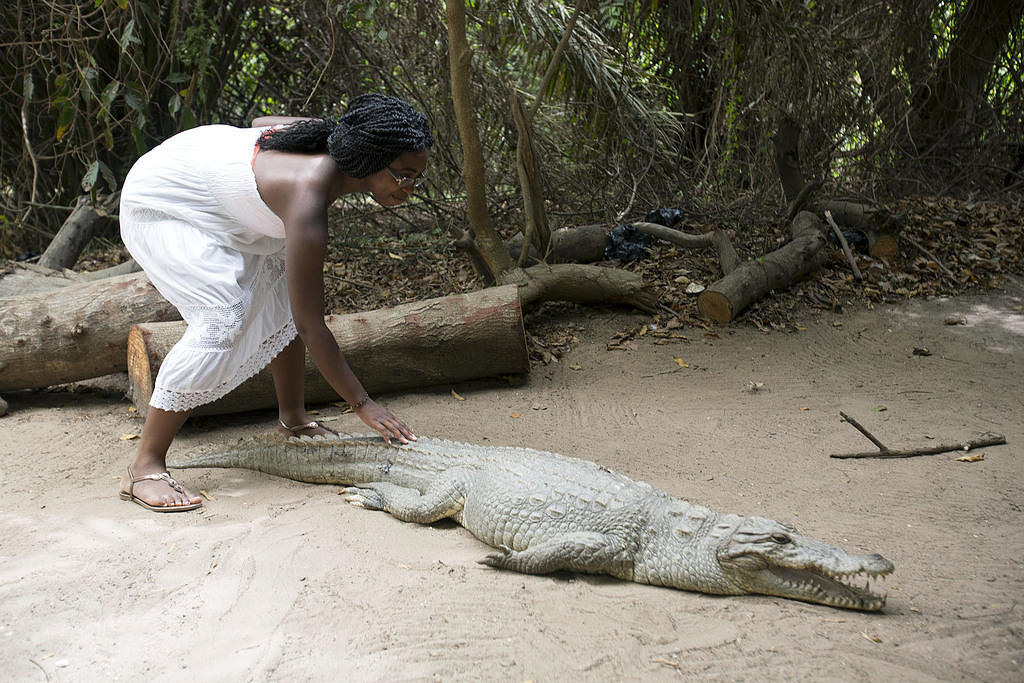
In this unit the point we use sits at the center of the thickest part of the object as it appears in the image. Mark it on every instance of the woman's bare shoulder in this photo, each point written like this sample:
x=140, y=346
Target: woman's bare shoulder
x=290, y=182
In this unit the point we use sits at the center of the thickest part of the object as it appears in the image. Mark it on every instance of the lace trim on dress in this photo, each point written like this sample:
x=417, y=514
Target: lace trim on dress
x=218, y=326
x=180, y=401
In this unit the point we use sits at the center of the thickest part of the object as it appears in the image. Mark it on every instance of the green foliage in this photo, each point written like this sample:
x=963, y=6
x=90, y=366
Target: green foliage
x=652, y=101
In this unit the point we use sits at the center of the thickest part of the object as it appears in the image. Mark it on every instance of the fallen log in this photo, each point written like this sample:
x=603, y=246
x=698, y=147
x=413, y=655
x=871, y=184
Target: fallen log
x=751, y=280
x=77, y=230
x=881, y=227
x=19, y=278
x=437, y=341
x=129, y=266
x=582, y=284
x=74, y=333
x=582, y=244
x=586, y=244
x=728, y=259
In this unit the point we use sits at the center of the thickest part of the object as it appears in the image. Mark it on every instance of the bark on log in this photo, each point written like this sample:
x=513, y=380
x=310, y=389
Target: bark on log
x=129, y=266
x=76, y=231
x=583, y=244
x=426, y=343
x=727, y=256
x=725, y=299
x=74, y=333
x=582, y=284
x=18, y=279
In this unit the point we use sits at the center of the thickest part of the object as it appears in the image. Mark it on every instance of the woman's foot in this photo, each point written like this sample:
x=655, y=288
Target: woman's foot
x=157, y=491
x=310, y=428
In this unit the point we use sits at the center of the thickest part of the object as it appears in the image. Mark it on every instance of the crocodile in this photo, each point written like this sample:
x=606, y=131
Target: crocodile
x=546, y=512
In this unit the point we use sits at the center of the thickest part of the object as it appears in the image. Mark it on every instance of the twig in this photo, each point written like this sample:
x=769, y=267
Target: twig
x=327, y=62
x=928, y=255
x=846, y=247
x=556, y=57
x=882, y=447
x=986, y=439
x=45, y=672
x=31, y=156
x=801, y=199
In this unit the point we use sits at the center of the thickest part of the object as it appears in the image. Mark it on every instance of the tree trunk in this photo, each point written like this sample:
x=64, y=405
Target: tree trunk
x=725, y=299
x=957, y=87
x=426, y=343
x=786, y=146
x=76, y=231
x=537, y=231
x=74, y=333
x=459, y=55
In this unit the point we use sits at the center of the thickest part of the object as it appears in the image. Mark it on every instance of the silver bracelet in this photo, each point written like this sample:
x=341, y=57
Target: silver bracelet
x=361, y=402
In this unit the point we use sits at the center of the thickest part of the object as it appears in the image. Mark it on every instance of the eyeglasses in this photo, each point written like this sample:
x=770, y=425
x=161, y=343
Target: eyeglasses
x=404, y=181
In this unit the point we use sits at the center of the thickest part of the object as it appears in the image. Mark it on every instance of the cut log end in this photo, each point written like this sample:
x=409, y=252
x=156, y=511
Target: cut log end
x=883, y=245
x=715, y=305
x=140, y=370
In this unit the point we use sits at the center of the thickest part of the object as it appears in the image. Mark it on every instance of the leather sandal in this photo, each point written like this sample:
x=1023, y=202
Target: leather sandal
x=165, y=477
x=309, y=425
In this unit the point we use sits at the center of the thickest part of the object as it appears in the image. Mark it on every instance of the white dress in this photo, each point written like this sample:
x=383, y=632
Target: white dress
x=192, y=217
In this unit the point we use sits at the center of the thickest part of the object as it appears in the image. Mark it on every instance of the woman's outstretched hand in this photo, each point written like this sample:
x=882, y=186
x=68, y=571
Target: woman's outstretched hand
x=380, y=419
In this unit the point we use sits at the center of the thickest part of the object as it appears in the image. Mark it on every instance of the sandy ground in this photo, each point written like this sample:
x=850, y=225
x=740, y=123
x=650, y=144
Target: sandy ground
x=277, y=580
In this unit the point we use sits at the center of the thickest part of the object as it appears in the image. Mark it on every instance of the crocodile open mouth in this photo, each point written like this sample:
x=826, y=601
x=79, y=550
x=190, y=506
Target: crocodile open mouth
x=827, y=588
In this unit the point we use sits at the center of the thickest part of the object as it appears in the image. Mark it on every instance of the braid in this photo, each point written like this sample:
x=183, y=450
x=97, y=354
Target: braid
x=306, y=137
x=374, y=131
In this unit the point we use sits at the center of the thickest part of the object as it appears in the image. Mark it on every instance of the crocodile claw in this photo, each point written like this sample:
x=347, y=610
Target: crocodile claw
x=363, y=498
x=497, y=559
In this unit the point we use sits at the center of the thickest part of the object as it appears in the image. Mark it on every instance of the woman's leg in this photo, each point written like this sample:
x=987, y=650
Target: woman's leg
x=157, y=434
x=288, y=370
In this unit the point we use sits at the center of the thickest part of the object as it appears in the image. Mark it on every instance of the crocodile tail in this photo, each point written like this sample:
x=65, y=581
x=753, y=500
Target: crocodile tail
x=247, y=453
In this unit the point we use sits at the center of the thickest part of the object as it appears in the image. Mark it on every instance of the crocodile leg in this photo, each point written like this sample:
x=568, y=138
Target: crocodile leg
x=581, y=551
x=443, y=498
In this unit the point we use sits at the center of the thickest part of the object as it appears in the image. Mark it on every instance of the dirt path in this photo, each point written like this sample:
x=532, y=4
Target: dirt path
x=277, y=580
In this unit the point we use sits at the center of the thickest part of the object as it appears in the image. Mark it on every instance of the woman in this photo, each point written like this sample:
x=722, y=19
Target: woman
x=230, y=225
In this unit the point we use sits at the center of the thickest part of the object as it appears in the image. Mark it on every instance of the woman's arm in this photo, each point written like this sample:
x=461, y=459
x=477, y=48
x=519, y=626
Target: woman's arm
x=264, y=121
x=305, y=248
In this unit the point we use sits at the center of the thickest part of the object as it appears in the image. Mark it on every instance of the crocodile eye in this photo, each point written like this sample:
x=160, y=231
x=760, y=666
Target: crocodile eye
x=781, y=538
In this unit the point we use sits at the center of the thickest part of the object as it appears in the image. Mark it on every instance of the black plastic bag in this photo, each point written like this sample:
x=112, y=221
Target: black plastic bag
x=626, y=243
x=858, y=241
x=667, y=217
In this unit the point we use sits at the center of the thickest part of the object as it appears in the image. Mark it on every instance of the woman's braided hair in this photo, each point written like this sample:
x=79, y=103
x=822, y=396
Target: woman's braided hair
x=372, y=133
